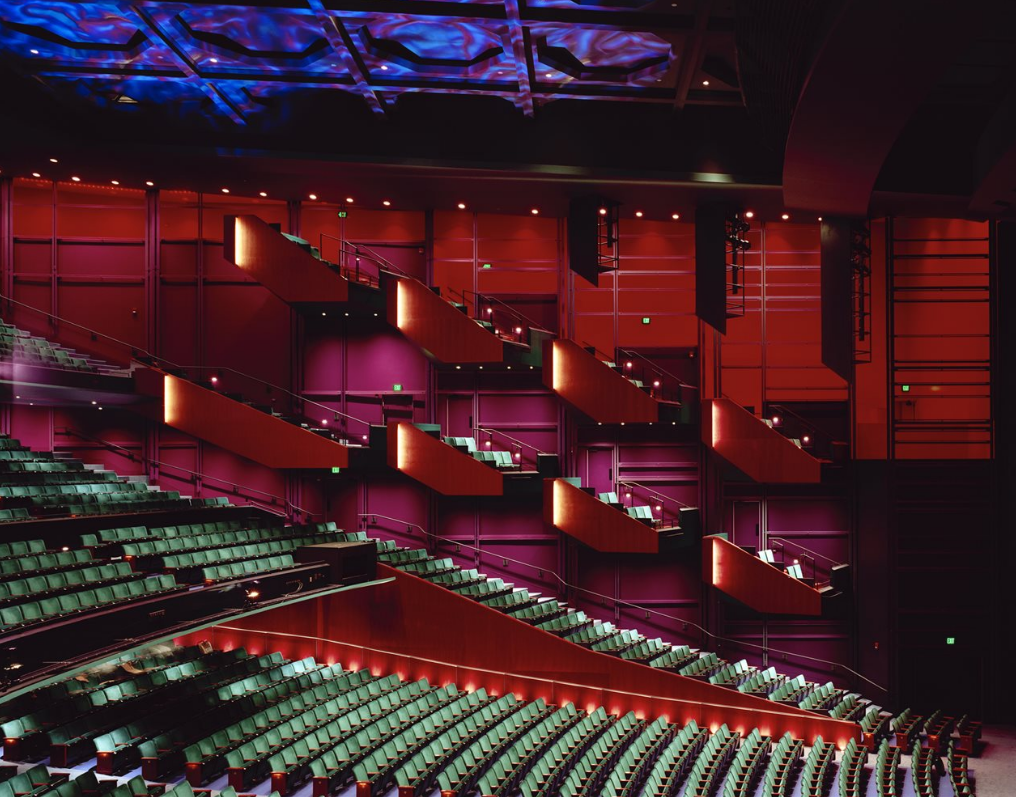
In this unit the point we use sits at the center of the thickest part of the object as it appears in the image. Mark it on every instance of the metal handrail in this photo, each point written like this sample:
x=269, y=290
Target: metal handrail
x=656, y=495
x=116, y=448
x=137, y=352
x=518, y=314
x=804, y=548
x=654, y=366
x=618, y=603
x=515, y=440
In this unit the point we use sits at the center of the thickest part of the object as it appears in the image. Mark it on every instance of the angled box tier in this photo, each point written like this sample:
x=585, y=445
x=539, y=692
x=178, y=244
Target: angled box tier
x=442, y=329
x=754, y=447
x=757, y=584
x=238, y=427
x=423, y=456
x=288, y=267
x=604, y=527
x=595, y=388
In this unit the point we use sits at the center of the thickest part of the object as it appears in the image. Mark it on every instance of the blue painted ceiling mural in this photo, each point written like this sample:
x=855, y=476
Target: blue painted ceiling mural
x=237, y=62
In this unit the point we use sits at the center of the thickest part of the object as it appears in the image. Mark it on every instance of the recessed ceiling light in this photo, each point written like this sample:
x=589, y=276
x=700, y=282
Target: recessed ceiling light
x=705, y=82
x=384, y=68
x=749, y=214
x=603, y=211
x=36, y=174
x=262, y=193
x=149, y=183
x=820, y=218
x=349, y=200
x=115, y=182
x=386, y=203
x=76, y=179
x=535, y=211
x=461, y=206
x=214, y=60
x=34, y=52
x=785, y=216
x=638, y=214
x=53, y=160
x=225, y=190
x=549, y=74
x=312, y=196
x=675, y=216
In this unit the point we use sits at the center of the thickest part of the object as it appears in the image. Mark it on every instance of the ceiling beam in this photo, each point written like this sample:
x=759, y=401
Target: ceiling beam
x=522, y=51
x=183, y=62
x=691, y=54
x=340, y=40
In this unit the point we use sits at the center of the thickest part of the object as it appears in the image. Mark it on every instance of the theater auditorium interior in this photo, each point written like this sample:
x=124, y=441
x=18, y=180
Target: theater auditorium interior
x=507, y=398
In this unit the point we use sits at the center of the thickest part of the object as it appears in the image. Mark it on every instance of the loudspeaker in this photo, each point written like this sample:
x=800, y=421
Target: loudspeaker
x=711, y=265
x=583, y=243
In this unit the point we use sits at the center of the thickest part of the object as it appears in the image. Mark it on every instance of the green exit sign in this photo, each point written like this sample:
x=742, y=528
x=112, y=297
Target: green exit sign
x=342, y=214
x=906, y=388
x=645, y=319
x=950, y=640
x=397, y=387
x=487, y=265
x=336, y=470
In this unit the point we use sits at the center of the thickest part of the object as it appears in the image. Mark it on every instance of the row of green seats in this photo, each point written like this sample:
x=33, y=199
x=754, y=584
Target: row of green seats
x=118, y=535
x=635, y=763
x=670, y=769
x=816, y=768
x=292, y=763
x=507, y=769
x=594, y=632
x=922, y=770
x=790, y=690
x=341, y=714
x=740, y=780
x=732, y=673
x=12, y=617
x=959, y=776
x=708, y=769
x=776, y=780
x=821, y=698
x=9, y=442
x=705, y=665
x=459, y=773
x=558, y=757
x=28, y=490
x=21, y=547
x=34, y=782
x=887, y=763
x=761, y=682
x=678, y=657
x=51, y=468
x=403, y=556
x=851, y=769
x=216, y=556
x=76, y=740
x=206, y=754
x=590, y=770
x=246, y=568
x=218, y=539
x=483, y=730
x=37, y=720
x=378, y=762
x=619, y=641
x=19, y=513
x=63, y=580
x=160, y=738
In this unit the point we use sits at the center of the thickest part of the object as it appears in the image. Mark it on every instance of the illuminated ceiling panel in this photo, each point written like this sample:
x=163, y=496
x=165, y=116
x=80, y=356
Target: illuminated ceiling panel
x=241, y=62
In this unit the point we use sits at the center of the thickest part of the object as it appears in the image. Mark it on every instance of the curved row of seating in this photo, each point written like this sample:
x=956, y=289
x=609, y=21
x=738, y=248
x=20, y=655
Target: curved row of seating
x=20, y=346
x=204, y=714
